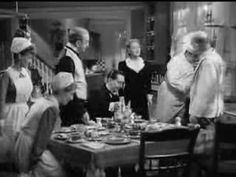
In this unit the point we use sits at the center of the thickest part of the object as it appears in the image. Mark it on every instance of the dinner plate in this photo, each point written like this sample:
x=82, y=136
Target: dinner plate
x=116, y=142
x=91, y=127
x=103, y=133
x=101, y=128
x=134, y=136
x=75, y=141
x=60, y=136
x=65, y=130
x=94, y=139
x=139, y=120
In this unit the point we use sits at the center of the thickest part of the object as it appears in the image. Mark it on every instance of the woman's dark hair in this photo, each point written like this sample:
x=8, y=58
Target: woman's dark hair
x=30, y=49
x=114, y=73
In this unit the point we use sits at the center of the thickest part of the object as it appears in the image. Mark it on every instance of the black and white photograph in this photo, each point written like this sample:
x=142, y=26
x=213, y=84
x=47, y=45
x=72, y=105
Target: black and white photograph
x=117, y=89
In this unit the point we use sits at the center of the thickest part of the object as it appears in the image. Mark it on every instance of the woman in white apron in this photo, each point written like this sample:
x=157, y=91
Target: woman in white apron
x=16, y=87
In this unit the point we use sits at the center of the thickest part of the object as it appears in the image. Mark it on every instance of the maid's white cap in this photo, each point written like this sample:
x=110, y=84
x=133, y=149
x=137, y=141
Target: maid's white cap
x=19, y=44
x=62, y=80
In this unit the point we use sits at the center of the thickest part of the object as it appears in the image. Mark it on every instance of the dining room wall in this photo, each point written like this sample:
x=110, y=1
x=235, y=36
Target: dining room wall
x=107, y=18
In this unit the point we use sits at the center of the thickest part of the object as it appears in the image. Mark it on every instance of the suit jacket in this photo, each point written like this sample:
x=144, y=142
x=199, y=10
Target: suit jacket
x=99, y=101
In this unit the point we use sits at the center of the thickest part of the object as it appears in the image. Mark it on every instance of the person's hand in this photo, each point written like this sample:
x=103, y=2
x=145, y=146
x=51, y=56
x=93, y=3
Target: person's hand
x=149, y=99
x=86, y=118
x=116, y=107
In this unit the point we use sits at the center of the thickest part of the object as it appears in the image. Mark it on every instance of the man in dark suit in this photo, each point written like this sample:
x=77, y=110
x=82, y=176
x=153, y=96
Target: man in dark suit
x=101, y=103
x=70, y=61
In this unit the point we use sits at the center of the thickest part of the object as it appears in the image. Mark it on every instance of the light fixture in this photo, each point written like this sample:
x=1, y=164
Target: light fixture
x=208, y=13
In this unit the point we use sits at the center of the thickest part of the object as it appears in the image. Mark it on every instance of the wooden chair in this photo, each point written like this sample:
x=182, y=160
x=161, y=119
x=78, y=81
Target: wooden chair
x=172, y=152
x=225, y=148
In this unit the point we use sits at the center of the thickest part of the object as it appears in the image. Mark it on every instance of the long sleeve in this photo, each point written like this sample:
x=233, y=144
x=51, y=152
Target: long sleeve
x=46, y=126
x=104, y=103
x=4, y=82
x=206, y=94
x=99, y=104
x=149, y=80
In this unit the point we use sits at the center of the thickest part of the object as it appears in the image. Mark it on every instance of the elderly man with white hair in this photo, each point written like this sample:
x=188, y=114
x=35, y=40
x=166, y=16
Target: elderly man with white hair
x=206, y=93
x=70, y=61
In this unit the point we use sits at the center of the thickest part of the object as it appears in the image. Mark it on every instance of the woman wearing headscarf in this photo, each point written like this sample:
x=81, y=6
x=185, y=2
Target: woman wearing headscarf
x=137, y=74
x=16, y=87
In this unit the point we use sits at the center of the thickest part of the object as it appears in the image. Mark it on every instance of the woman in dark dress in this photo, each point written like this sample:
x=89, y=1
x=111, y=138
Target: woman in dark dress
x=137, y=80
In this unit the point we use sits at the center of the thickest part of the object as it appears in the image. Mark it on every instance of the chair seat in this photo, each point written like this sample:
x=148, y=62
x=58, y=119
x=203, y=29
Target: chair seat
x=228, y=166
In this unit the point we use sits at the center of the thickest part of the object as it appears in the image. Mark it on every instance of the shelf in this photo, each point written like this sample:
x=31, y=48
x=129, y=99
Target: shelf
x=150, y=47
x=150, y=33
x=214, y=26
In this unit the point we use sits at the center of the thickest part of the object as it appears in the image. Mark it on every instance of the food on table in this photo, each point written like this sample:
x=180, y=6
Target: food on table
x=75, y=137
x=79, y=127
x=111, y=124
x=139, y=126
x=139, y=120
x=134, y=133
x=91, y=133
x=101, y=128
x=159, y=126
x=65, y=130
x=103, y=133
x=61, y=136
x=116, y=140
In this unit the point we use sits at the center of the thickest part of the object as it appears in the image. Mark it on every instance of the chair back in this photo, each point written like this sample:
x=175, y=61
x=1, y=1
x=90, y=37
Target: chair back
x=225, y=146
x=169, y=149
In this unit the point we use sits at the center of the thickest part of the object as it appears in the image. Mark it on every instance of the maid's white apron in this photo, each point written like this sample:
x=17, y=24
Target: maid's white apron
x=14, y=113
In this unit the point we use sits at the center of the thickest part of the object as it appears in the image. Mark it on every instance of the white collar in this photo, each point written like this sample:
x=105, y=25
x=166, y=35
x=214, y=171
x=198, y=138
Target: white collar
x=136, y=65
x=72, y=47
x=138, y=60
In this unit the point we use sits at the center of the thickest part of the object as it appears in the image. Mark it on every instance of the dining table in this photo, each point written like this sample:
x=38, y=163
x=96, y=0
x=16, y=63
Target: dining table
x=95, y=156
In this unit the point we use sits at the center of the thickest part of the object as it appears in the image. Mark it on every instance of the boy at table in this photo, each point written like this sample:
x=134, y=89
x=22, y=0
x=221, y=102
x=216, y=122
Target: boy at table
x=31, y=156
x=102, y=102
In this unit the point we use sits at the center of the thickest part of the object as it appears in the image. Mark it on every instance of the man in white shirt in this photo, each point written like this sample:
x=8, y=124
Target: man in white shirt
x=206, y=93
x=75, y=111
